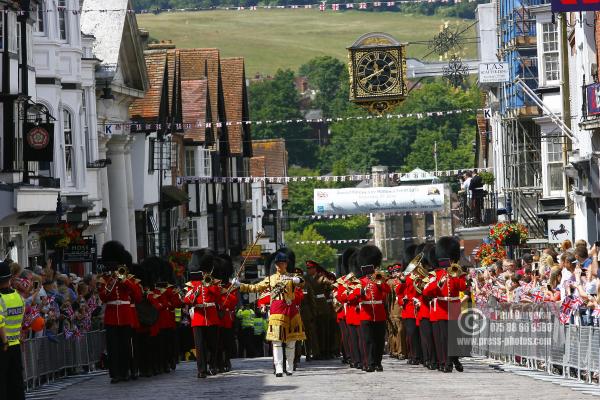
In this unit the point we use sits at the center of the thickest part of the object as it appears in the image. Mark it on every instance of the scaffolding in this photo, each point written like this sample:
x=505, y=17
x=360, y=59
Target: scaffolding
x=521, y=135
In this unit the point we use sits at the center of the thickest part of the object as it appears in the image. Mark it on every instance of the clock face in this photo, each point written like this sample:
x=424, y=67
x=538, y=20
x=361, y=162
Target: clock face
x=377, y=72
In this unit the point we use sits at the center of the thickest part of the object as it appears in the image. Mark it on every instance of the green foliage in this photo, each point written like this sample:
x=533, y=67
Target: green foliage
x=322, y=253
x=327, y=75
x=362, y=144
x=487, y=178
x=278, y=99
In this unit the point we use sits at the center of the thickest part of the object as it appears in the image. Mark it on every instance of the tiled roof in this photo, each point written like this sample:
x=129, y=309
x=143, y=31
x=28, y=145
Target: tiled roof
x=257, y=166
x=194, y=94
x=204, y=63
x=148, y=106
x=274, y=153
x=232, y=73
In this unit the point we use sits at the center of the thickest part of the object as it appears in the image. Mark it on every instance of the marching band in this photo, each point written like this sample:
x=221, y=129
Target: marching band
x=311, y=313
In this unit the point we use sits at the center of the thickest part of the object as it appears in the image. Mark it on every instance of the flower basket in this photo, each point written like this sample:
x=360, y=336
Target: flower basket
x=60, y=236
x=489, y=254
x=179, y=261
x=509, y=234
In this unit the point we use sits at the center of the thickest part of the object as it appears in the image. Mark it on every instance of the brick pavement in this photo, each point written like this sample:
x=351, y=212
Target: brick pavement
x=253, y=379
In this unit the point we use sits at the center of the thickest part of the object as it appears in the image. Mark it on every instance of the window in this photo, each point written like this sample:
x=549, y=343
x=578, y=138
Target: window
x=555, y=164
x=62, y=19
x=18, y=46
x=1, y=31
x=86, y=131
x=429, y=225
x=68, y=137
x=11, y=31
x=151, y=144
x=39, y=15
x=206, y=169
x=550, y=57
x=193, y=233
x=190, y=162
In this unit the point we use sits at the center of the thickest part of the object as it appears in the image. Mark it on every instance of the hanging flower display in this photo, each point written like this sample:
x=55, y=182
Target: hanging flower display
x=61, y=235
x=509, y=233
x=489, y=254
x=178, y=261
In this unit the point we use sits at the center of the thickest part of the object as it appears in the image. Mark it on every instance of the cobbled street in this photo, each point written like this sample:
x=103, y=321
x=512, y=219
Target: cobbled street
x=252, y=379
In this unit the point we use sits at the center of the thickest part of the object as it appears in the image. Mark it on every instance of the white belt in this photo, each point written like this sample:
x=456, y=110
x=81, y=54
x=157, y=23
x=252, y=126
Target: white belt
x=448, y=298
x=320, y=296
x=373, y=302
x=330, y=300
x=204, y=305
x=305, y=292
x=118, y=303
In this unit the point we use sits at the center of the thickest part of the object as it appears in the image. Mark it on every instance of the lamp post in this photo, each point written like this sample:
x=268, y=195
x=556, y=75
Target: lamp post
x=59, y=219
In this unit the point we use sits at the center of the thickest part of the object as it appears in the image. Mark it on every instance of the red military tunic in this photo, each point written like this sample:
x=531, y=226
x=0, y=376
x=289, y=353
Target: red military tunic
x=406, y=294
x=228, y=302
x=445, y=297
x=264, y=300
x=171, y=301
x=342, y=297
x=204, y=300
x=118, y=295
x=372, y=307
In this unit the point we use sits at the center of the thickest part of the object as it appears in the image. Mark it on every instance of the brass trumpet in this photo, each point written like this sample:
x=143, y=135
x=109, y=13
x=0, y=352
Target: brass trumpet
x=122, y=272
x=207, y=279
x=380, y=276
x=455, y=271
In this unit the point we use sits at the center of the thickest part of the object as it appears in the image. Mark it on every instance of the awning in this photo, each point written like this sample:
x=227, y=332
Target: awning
x=172, y=196
x=17, y=220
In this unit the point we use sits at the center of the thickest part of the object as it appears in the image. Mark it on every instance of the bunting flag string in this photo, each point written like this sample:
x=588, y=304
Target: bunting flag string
x=142, y=126
x=350, y=241
x=321, y=6
x=421, y=175
x=320, y=217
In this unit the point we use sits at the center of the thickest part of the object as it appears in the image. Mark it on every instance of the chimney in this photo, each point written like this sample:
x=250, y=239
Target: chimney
x=162, y=45
x=144, y=38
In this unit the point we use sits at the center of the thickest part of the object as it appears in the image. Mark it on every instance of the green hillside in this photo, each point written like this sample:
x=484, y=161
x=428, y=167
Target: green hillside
x=288, y=38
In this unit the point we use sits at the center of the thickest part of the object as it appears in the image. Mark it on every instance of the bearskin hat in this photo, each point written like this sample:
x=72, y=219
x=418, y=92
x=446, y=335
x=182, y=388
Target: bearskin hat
x=345, y=265
x=409, y=253
x=114, y=253
x=369, y=255
x=448, y=247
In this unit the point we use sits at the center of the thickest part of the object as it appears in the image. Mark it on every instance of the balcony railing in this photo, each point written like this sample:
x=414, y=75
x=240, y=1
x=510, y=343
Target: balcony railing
x=477, y=210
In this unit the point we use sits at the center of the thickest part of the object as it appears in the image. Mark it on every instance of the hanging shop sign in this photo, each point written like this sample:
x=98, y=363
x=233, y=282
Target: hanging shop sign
x=84, y=251
x=496, y=72
x=422, y=198
x=560, y=230
x=593, y=99
x=575, y=5
x=39, y=142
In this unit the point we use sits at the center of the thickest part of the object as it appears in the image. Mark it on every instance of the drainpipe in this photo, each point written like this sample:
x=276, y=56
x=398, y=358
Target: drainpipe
x=566, y=104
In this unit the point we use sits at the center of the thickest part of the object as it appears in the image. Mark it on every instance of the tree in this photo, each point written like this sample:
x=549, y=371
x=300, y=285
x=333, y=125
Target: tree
x=326, y=75
x=322, y=253
x=277, y=99
x=449, y=157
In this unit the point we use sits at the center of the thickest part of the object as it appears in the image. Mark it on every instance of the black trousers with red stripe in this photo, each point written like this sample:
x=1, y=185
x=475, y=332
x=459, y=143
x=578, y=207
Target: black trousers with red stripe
x=373, y=333
x=414, y=342
x=355, y=344
x=345, y=336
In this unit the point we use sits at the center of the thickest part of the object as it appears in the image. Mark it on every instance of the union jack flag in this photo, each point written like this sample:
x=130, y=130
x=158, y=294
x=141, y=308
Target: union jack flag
x=362, y=6
x=538, y=296
x=376, y=4
x=349, y=5
x=596, y=313
x=391, y=3
x=335, y=7
x=566, y=306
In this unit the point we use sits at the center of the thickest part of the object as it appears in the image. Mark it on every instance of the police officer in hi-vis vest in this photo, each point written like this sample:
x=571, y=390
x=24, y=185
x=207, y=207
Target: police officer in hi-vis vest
x=12, y=309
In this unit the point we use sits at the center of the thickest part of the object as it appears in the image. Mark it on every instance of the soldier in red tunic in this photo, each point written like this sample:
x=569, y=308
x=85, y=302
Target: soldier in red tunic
x=444, y=288
x=203, y=296
x=353, y=312
x=118, y=291
x=373, y=315
x=227, y=304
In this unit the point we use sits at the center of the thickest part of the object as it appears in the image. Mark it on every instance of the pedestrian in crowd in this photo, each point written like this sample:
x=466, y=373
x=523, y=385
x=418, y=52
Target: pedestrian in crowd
x=12, y=309
x=477, y=197
x=246, y=336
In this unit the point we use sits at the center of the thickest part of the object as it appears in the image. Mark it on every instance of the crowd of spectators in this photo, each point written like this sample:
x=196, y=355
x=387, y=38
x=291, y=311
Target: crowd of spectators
x=566, y=276
x=56, y=303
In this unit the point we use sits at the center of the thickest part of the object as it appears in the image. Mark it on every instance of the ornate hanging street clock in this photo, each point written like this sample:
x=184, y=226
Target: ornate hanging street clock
x=377, y=66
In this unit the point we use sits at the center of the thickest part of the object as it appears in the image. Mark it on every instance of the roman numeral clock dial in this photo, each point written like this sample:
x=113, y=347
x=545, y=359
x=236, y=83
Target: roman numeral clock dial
x=377, y=67
x=377, y=72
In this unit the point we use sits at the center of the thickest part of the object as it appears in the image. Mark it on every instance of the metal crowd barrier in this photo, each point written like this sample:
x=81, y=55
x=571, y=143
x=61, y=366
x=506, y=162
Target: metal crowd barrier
x=45, y=360
x=535, y=339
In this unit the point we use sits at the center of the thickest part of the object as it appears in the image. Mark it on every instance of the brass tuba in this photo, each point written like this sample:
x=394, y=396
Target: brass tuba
x=455, y=271
x=418, y=273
